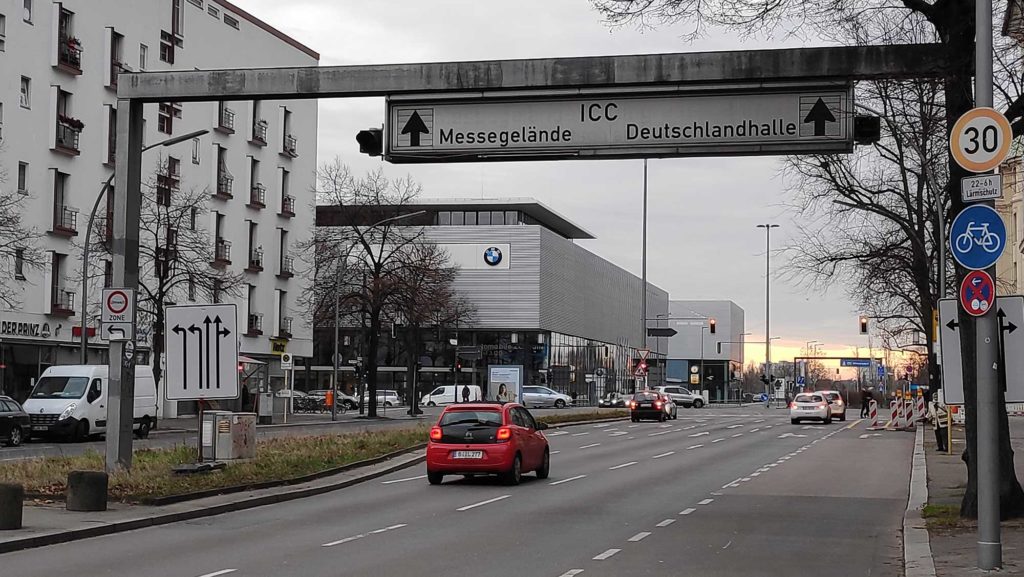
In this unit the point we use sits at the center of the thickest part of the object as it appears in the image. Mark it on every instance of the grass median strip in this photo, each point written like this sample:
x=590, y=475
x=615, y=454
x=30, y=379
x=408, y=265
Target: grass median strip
x=277, y=459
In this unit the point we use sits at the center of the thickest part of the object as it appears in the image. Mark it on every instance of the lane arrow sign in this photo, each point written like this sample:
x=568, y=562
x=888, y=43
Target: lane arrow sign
x=952, y=325
x=819, y=115
x=415, y=126
x=1009, y=326
x=196, y=330
x=218, y=335
x=662, y=332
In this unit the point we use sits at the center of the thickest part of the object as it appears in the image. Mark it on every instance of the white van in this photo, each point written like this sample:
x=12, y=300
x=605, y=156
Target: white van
x=71, y=401
x=447, y=394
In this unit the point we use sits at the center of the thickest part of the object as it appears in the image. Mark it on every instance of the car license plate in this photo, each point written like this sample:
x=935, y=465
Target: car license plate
x=807, y=408
x=645, y=404
x=468, y=455
x=40, y=427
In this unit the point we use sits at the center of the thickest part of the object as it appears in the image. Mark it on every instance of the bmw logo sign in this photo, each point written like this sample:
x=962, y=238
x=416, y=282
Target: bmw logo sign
x=492, y=256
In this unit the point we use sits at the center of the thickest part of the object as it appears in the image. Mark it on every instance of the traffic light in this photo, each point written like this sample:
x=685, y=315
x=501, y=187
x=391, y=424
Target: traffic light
x=711, y=323
x=719, y=347
x=867, y=129
x=863, y=325
x=642, y=365
x=764, y=379
x=371, y=141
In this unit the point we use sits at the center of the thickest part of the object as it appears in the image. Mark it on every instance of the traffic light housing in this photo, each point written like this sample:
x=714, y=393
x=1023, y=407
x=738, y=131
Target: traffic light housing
x=867, y=129
x=711, y=323
x=371, y=141
x=863, y=325
x=764, y=379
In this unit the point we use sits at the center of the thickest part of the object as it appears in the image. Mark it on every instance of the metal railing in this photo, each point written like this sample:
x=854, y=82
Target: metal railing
x=222, y=252
x=258, y=195
x=224, y=184
x=70, y=53
x=288, y=205
x=227, y=118
x=291, y=145
x=64, y=301
x=259, y=131
x=286, y=326
x=256, y=258
x=67, y=135
x=115, y=69
x=255, y=324
x=287, y=265
x=66, y=218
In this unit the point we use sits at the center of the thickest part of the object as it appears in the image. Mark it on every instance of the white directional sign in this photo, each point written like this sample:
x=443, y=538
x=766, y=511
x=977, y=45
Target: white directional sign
x=982, y=187
x=117, y=313
x=1010, y=313
x=202, y=352
x=952, y=361
x=555, y=124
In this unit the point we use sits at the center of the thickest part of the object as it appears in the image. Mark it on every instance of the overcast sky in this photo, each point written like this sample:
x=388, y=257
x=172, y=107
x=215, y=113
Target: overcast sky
x=703, y=243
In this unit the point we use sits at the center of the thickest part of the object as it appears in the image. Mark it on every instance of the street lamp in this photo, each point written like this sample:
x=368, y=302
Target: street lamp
x=88, y=235
x=337, y=315
x=767, y=296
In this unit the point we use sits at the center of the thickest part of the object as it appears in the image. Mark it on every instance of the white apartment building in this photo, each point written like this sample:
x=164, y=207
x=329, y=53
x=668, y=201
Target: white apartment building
x=58, y=75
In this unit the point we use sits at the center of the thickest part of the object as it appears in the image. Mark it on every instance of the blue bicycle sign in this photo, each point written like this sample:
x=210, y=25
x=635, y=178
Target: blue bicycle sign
x=977, y=237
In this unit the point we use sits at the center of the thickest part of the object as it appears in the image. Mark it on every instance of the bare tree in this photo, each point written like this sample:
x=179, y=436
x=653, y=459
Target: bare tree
x=18, y=242
x=952, y=24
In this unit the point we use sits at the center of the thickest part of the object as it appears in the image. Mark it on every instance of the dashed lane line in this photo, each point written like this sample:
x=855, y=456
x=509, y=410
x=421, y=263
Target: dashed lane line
x=362, y=535
x=664, y=455
x=403, y=480
x=666, y=523
x=568, y=480
x=482, y=503
x=706, y=502
x=718, y=440
x=639, y=536
x=629, y=464
x=694, y=447
x=590, y=445
x=571, y=573
x=606, y=554
x=221, y=572
x=580, y=434
x=687, y=511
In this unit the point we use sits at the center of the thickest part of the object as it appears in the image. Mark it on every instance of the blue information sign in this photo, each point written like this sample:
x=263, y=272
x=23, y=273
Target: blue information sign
x=881, y=370
x=977, y=237
x=855, y=362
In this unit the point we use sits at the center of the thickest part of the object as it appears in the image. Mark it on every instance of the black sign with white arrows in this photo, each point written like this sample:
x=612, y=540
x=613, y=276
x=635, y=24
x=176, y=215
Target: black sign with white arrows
x=202, y=352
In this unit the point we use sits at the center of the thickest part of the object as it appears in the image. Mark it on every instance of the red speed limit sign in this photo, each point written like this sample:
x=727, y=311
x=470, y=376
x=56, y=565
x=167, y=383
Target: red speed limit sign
x=980, y=140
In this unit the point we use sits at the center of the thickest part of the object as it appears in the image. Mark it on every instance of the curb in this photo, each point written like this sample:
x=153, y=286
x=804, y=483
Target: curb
x=152, y=521
x=917, y=549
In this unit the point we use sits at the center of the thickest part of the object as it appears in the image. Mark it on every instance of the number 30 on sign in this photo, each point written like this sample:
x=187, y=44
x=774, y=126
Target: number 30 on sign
x=980, y=140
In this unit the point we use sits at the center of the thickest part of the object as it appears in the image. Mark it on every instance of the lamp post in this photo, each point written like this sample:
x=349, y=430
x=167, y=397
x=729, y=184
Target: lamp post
x=84, y=344
x=767, y=299
x=337, y=306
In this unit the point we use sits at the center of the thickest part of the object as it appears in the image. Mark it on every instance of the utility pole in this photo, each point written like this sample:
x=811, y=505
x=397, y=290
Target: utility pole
x=767, y=303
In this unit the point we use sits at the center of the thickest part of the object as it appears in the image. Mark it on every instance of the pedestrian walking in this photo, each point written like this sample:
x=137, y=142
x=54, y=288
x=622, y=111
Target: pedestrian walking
x=865, y=403
x=465, y=393
x=939, y=415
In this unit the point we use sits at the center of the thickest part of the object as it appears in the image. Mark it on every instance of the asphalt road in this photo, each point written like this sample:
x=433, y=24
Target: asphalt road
x=716, y=493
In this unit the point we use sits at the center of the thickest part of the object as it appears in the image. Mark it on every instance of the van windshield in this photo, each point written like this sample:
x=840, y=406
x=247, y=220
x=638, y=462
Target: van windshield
x=60, y=388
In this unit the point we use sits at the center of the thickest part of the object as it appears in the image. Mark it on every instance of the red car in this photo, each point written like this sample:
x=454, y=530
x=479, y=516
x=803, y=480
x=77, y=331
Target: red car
x=487, y=439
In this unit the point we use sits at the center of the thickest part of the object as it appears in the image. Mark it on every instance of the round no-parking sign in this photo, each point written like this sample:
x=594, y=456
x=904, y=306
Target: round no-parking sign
x=977, y=292
x=980, y=139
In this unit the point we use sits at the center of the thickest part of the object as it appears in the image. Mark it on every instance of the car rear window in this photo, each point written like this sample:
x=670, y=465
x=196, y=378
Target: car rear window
x=833, y=396
x=645, y=397
x=809, y=398
x=481, y=417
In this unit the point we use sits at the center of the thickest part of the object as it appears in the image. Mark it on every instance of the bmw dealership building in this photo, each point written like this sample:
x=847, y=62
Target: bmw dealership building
x=571, y=318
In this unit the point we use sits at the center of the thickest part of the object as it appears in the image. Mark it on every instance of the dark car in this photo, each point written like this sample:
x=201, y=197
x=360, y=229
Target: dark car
x=14, y=422
x=647, y=405
x=612, y=400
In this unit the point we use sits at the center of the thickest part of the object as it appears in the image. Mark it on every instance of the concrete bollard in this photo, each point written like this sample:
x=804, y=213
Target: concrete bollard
x=87, y=491
x=12, y=497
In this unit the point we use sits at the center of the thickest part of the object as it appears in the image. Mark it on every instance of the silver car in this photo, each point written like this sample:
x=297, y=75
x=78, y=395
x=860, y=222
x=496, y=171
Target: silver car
x=534, y=396
x=682, y=396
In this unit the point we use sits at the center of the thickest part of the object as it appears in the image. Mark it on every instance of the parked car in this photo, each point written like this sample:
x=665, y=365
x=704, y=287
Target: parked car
x=534, y=396
x=810, y=406
x=647, y=405
x=349, y=401
x=836, y=403
x=487, y=439
x=15, y=424
x=682, y=396
x=71, y=401
x=388, y=398
x=446, y=394
x=285, y=393
x=613, y=400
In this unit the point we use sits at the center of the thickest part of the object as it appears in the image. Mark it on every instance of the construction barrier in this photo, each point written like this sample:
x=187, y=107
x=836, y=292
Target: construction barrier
x=873, y=413
x=922, y=412
x=894, y=419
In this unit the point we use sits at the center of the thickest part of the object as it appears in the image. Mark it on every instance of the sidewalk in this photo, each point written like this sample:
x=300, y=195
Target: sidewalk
x=954, y=548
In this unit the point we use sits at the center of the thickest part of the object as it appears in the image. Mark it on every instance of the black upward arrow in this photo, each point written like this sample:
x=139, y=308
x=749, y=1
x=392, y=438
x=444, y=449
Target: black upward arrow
x=207, y=322
x=819, y=115
x=184, y=353
x=220, y=333
x=415, y=126
x=194, y=329
x=952, y=325
x=1009, y=326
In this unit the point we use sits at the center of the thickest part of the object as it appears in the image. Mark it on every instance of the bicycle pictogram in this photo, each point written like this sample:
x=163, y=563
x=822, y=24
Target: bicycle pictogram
x=978, y=233
x=977, y=237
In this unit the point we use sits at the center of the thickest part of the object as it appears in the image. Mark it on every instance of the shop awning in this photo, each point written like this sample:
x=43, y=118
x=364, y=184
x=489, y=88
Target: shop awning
x=249, y=360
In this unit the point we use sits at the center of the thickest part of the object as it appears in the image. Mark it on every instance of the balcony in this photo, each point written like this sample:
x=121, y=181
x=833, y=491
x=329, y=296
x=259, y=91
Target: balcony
x=259, y=133
x=115, y=69
x=226, y=121
x=69, y=55
x=287, y=268
x=255, y=260
x=257, y=196
x=288, y=206
x=105, y=228
x=291, y=146
x=255, y=325
x=225, y=182
x=69, y=130
x=65, y=221
x=63, y=303
x=222, y=253
x=111, y=150
x=286, y=328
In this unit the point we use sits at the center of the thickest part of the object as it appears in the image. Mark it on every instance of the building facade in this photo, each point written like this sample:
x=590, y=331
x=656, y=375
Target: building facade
x=247, y=179
x=571, y=318
x=700, y=359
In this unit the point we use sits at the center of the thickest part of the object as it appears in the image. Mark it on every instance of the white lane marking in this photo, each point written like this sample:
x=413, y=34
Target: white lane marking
x=700, y=434
x=345, y=540
x=734, y=426
x=772, y=465
x=745, y=479
x=631, y=463
x=664, y=455
x=718, y=440
x=403, y=480
x=754, y=430
x=590, y=445
x=606, y=554
x=389, y=528
x=706, y=502
x=666, y=523
x=618, y=434
x=639, y=536
x=221, y=572
x=660, y=433
x=737, y=435
x=690, y=427
x=482, y=503
x=727, y=544
x=759, y=421
x=601, y=425
x=694, y=447
x=664, y=426
x=555, y=452
x=567, y=480
x=580, y=434
x=687, y=511
x=556, y=433
x=768, y=426
x=571, y=573
x=731, y=483
x=630, y=438
x=632, y=426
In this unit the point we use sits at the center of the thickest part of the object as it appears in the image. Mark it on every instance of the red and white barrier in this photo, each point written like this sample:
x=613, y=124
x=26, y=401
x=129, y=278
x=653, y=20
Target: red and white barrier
x=894, y=418
x=873, y=413
x=922, y=413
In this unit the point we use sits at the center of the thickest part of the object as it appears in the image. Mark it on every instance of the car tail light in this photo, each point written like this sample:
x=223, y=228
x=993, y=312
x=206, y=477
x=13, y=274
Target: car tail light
x=839, y=402
x=632, y=404
x=822, y=405
x=504, y=434
x=657, y=405
x=435, y=433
